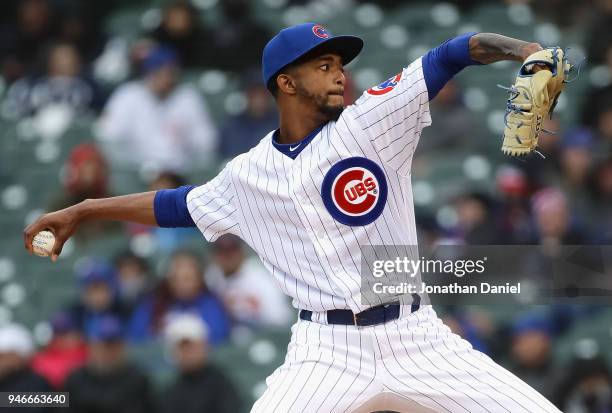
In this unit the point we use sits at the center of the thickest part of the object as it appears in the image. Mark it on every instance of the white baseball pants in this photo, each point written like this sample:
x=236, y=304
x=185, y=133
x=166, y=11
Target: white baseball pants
x=412, y=364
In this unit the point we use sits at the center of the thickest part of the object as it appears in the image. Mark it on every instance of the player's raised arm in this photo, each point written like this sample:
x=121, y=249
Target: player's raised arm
x=443, y=62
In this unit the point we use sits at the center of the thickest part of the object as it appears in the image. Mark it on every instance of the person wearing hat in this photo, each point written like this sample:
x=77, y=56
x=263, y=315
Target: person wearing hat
x=242, y=131
x=200, y=386
x=108, y=382
x=531, y=351
x=327, y=182
x=16, y=349
x=66, y=351
x=97, y=282
x=158, y=122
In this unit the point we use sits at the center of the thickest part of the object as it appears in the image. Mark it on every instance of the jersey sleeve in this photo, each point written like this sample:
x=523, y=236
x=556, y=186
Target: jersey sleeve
x=212, y=206
x=393, y=114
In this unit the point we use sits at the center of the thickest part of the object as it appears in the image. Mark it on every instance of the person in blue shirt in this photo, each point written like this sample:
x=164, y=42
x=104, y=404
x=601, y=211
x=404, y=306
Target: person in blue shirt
x=181, y=291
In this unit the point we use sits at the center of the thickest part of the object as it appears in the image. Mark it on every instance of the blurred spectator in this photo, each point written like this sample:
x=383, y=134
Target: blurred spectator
x=156, y=122
x=109, y=383
x=599, y=39
x=553, y=219
x=86, y=176
x=163, y=180
x=248, y=290
x=586, y=387
x=16, y=348
x=597, y=113
x=461, y=323
x=166, y=180
x=61, y=83
x=476, y=224
x=132, y=280
x=97, y=295
x=530, y=352
x=429, y=232
x=576, y=158
x=181, y=291
x=453, y=132
x=241, y=132
x=82, y=25
x=239, y=31
x=576, y=162
x=22, y=41
x=180, y=29
x=200, y=387
x=600, y=184
x=166, y=240
x=514, y=213
x=604, y=121
x=65, y=352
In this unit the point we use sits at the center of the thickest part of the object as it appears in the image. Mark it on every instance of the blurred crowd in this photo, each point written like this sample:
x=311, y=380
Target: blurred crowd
x=189, y=309
x=58, y=55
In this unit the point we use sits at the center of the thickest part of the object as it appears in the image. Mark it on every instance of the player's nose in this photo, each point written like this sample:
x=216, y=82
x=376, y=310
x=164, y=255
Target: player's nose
x=341, y=78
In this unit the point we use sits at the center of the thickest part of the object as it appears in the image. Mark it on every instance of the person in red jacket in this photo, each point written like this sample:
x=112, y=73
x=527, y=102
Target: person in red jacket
x=65, y=352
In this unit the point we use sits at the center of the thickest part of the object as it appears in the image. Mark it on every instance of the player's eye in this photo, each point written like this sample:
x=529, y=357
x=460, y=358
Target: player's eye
x=325, y=67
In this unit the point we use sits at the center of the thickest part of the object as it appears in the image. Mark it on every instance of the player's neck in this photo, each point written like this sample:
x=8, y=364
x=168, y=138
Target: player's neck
x=295, y=125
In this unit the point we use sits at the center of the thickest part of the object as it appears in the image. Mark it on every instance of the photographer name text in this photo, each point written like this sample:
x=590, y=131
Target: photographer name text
x=454, y=288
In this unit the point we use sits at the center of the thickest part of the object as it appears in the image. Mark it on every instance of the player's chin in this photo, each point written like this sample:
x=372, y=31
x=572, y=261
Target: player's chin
x=333, y=111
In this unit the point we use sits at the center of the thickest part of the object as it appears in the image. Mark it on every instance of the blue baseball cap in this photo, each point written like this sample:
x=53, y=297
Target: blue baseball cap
x=94, y=270
x=159, y=57
x=532, y=322
x=294, y=42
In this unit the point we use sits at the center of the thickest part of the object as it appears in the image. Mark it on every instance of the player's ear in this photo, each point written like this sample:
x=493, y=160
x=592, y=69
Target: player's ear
x=285, y=84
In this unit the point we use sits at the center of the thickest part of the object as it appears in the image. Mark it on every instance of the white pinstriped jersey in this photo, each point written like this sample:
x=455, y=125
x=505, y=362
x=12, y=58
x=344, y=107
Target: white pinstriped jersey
x=307, y=229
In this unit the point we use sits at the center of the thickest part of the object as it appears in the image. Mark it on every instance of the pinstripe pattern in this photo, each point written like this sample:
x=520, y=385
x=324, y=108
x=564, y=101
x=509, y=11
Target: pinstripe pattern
x=275, y=204
x=417, y=359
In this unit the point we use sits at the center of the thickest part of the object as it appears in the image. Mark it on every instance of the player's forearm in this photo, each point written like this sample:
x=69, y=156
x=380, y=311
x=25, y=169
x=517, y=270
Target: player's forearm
x=490, y=48
x=135, y=208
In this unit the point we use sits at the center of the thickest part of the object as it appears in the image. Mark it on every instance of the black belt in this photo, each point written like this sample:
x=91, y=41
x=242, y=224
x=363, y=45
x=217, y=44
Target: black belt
x=372, y=316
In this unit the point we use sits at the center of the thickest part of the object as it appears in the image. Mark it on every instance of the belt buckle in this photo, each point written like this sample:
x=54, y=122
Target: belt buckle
x=355, y=319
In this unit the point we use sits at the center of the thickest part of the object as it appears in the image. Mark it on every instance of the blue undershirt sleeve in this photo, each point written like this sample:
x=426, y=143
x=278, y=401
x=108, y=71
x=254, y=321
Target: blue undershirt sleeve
x=443, y=62
x=170, y=207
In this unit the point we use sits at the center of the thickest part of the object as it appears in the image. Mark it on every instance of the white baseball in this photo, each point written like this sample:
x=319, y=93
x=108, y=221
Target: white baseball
x=43, y=242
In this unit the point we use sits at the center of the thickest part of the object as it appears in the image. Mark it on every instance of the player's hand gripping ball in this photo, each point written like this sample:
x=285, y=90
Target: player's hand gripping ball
x=43, y=242
x=532, y=97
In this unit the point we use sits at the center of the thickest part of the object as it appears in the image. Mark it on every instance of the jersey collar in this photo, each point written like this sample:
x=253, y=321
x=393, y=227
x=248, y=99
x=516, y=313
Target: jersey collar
x=292, y=150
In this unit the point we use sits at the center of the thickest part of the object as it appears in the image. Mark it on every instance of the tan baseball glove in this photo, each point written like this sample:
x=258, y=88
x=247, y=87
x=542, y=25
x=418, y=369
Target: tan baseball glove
x=533, y=96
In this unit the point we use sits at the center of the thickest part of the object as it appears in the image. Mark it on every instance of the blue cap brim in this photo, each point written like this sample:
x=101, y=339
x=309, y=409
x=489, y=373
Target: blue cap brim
x=348, y=47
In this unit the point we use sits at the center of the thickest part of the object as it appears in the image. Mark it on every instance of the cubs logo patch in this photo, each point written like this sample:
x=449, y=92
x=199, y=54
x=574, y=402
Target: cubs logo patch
x=386, y=86
x=354, y=191
x=320, y=31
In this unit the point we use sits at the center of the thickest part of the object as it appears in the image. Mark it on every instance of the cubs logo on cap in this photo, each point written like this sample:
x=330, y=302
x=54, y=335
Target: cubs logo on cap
x=354, y=191
x=320, y=31
x=386, y=86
